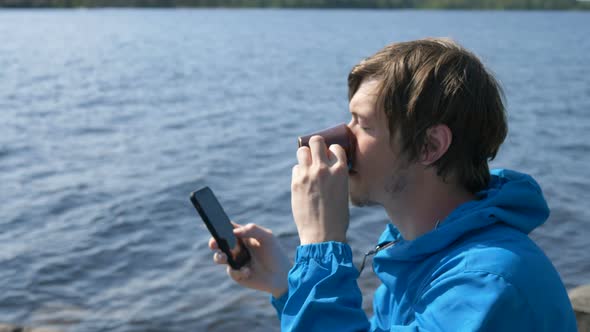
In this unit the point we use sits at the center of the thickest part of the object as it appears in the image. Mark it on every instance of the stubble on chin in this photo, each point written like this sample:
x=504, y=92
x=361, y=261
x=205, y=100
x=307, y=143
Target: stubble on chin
x=354, y=201
x=397, y=184
x=359, y=198
x=353, y=196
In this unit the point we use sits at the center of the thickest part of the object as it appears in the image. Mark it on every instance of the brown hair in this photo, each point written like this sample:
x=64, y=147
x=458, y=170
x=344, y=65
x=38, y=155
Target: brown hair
x=436, y=81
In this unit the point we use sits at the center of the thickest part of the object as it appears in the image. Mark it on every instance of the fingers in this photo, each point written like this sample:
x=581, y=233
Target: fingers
x=239, y=275
x=219, y=257
x=253, y=231
x=213, y=244
x=338, y=155
x=318, y=150
x=304, y=156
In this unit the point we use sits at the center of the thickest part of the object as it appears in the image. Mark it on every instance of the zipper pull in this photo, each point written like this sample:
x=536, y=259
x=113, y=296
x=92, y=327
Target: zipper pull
x=379, y=247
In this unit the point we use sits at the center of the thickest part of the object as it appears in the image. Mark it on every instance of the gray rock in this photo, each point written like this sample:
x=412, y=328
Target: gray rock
x=580, y=298
x=15, y=328
x=10, y=328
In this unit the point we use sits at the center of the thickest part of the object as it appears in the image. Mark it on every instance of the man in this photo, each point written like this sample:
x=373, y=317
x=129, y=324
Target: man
x=427, y=117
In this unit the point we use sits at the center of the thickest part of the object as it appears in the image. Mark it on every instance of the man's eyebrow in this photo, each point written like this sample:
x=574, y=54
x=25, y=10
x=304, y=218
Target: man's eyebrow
x=358, y=115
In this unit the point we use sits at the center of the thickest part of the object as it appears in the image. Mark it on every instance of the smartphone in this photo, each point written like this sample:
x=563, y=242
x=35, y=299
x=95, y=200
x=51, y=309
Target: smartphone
x=220, y=227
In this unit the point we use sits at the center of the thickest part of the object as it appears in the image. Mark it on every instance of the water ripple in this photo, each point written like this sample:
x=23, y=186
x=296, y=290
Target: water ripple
x=107, y=130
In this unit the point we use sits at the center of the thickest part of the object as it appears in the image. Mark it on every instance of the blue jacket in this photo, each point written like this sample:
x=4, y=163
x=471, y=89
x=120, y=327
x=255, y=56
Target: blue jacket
x=478, y=271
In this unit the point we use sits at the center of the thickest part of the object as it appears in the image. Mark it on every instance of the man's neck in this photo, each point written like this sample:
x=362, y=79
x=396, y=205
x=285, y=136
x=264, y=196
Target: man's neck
x=424, y=205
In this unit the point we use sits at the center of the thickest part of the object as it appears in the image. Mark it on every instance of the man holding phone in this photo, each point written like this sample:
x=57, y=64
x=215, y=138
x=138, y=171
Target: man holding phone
x=427, y=117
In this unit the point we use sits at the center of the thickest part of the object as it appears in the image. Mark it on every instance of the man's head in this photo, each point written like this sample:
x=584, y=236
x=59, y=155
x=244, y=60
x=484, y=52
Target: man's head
x=425, y=85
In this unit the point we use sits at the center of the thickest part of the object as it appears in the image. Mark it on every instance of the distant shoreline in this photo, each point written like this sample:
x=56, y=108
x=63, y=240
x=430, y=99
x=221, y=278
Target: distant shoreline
x=581, y=10
x=500, y=5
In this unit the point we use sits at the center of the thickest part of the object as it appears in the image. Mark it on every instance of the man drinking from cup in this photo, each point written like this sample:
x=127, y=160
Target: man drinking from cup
x=427, y=117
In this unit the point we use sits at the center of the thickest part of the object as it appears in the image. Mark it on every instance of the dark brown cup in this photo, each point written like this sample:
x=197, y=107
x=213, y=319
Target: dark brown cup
x=340, y=135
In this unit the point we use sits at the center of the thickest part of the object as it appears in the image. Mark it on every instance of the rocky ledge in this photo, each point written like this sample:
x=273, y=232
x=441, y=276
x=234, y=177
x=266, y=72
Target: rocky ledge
x=580, y=298
x=14, y=328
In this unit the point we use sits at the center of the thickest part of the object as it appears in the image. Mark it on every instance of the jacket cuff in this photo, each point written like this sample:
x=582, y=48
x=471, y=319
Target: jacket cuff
x=279, y=303
x=324, y=251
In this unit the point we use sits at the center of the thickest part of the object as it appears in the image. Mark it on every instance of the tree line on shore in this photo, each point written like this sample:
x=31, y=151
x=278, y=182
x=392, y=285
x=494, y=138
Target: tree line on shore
x=418, y=4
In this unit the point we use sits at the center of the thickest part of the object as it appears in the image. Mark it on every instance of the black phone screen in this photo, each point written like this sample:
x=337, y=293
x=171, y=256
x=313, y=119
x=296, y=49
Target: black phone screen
x=216, y=215
x=219, y=226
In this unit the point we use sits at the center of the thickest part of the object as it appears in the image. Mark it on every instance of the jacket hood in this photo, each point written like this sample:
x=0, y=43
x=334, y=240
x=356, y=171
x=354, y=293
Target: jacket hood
x=512, y=198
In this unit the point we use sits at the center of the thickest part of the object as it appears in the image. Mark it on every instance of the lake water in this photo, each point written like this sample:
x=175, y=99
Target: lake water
x=110, y=118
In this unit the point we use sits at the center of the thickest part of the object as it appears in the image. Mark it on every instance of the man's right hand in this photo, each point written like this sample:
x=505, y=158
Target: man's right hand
x=269, y=266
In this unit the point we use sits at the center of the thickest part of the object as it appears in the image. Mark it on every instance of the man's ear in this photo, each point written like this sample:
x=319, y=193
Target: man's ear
x=436, y=143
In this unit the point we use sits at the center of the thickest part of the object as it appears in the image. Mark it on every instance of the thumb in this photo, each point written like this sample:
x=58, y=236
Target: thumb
x=253, y=231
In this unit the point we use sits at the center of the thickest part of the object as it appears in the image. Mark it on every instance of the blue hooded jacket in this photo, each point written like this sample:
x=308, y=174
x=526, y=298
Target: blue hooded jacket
x=477, y=271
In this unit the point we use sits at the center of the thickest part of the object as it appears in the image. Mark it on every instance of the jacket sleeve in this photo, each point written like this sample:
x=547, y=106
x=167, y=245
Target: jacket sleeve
x=323, y=292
